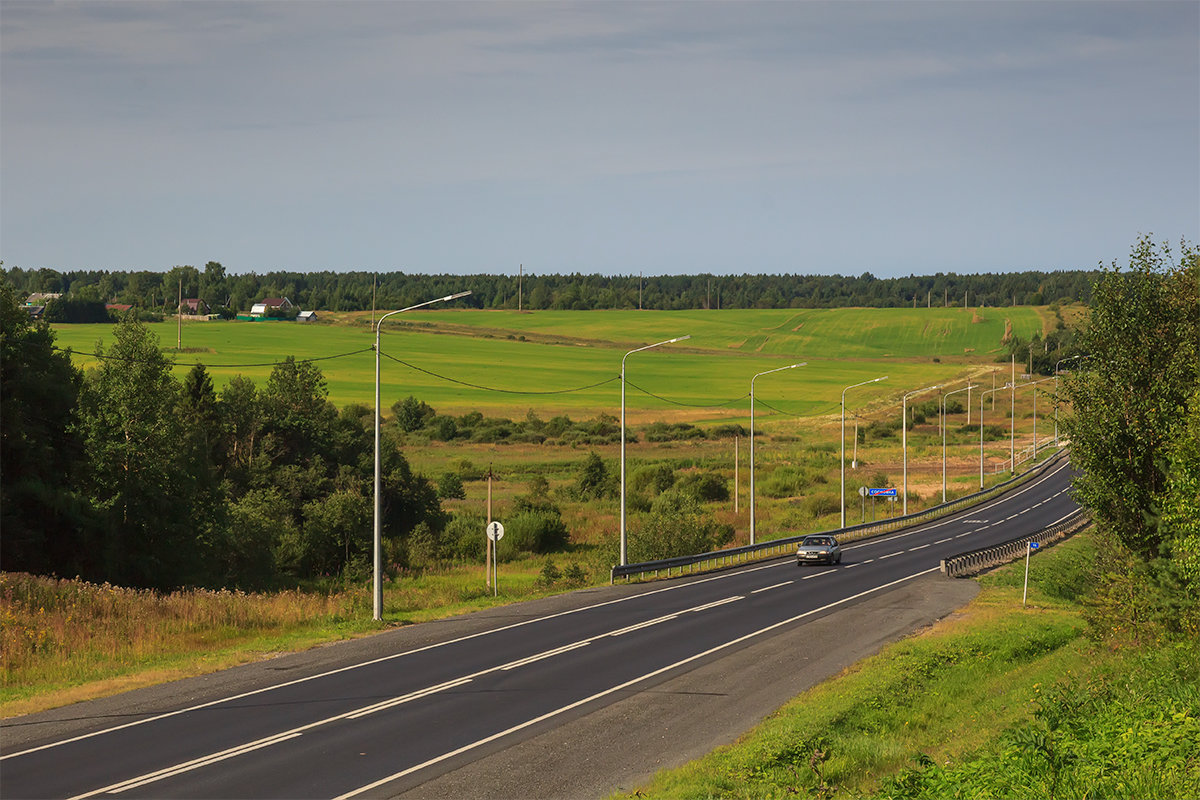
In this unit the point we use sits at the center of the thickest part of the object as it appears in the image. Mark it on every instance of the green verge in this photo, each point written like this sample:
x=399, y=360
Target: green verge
x=997, y=701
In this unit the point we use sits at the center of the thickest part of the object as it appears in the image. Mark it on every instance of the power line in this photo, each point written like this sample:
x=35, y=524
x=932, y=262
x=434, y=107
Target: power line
x=496, y=389
x=681, y=403
x=205, y=365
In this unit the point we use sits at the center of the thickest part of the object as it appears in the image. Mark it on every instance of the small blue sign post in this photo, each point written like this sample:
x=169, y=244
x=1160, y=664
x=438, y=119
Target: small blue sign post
x=1025, y=594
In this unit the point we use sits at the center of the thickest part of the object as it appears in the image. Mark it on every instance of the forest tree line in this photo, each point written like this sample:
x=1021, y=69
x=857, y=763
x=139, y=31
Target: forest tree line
x=360, y=291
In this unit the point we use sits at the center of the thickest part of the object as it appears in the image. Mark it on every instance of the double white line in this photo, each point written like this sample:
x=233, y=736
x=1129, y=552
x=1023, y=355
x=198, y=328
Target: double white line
x=383, y=705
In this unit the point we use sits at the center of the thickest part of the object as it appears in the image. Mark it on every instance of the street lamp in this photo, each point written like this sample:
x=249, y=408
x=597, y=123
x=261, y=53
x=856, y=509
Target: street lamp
x=904, y=438
x=752, y=380
x=627, y=355
x=966, y=388
x=378, y=581
x=1061, y=360
x=982, y=396
x=1033, y=383
x=848, y=388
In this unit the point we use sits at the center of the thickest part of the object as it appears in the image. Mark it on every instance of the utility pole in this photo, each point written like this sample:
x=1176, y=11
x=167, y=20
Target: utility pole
x=487, y=561
x=735, y=473
x=374, y=286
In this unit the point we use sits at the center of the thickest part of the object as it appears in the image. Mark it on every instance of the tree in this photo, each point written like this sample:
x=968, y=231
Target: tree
x=139, y=481
x=43, y=518
x=1131, y=396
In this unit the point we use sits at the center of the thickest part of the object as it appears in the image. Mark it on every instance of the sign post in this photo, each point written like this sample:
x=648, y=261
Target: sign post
x=1025, y=594
x=495, y=532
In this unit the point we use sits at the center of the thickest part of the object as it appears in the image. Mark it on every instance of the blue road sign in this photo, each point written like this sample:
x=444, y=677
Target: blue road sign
x=1033, y=545
x=881, y=492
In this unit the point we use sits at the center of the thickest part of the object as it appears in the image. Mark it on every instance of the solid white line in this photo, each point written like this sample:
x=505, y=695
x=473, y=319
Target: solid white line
x=285, y=684
x=818, y=574
x=188, y=766
x=545, y=655
x=645, y=624
x=1038, y=481
x=408, y=698
x=769, y=588
x=247, y=747
x=620, y=687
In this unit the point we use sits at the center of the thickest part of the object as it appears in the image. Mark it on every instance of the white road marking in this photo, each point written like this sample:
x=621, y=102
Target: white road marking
x=562, y=710
x=818, y=574
x=769, y=588
x=889, y=555
x=248, y=747
x=918, y=547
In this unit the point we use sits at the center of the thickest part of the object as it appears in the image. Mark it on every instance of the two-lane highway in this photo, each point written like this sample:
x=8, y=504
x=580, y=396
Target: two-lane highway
x=384, y=725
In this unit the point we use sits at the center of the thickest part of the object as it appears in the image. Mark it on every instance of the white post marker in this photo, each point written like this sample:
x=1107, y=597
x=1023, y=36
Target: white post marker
x=495, y=532
x=1025, y=594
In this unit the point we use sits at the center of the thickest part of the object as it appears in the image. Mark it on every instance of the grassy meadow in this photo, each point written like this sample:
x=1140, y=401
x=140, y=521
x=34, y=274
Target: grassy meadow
x=710, y=373
x=526, y=358
x=64, y=642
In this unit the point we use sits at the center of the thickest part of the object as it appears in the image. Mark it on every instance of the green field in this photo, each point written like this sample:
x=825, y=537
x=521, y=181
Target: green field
x=526, y=359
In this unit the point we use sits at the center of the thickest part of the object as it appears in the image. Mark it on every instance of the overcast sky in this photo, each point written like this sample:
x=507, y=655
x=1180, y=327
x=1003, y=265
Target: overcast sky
x=610, y=137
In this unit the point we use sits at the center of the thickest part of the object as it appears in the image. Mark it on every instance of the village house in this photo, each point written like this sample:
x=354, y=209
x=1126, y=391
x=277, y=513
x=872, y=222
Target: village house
x=269, y=304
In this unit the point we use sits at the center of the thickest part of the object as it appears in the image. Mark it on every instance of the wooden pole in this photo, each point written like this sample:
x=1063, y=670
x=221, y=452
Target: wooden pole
x=736, y=482
x=488, y=558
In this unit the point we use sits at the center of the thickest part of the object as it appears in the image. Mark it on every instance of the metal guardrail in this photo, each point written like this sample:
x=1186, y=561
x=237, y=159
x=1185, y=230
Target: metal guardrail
x=973, y=562
x=776, y=547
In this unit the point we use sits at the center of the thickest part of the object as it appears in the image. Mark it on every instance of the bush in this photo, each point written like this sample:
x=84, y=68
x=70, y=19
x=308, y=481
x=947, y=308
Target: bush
x=464, y=538
x=450, y=487
x=534, y=532
x=654, y=478
x=676, y=525
x=706, y=487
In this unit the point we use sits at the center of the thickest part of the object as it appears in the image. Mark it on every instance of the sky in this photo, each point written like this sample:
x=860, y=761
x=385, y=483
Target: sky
x=617, y=138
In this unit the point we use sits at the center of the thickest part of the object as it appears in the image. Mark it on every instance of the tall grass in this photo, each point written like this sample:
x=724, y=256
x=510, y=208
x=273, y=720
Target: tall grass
x=1001, y=702
x=67, y=640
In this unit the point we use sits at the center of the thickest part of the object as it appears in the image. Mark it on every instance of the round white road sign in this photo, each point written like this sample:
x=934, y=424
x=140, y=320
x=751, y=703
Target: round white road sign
x=495, y=531
x=862, y=490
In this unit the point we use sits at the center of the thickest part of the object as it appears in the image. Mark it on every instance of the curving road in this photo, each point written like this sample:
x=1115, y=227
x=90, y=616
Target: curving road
x=407, y=712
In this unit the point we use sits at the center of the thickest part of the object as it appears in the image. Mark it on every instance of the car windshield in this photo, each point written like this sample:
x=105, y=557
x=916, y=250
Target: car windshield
x=819, y=541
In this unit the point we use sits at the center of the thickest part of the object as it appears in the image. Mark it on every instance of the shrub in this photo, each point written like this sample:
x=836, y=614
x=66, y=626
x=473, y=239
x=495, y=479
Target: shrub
x=705, y=486
x=450, y=487
x=654, y=478
x=677, y=525
x=464, y=538
x=534, y=532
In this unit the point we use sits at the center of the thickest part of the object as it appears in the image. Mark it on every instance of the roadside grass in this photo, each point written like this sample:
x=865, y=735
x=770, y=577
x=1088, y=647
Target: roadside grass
x=997, y=701
x=65, y=641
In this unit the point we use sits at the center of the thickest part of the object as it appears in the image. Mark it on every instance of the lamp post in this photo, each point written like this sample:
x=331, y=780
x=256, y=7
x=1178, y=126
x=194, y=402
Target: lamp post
x=982, y=396
x=848, y=388
x=904, y=438
x=752, y=380
x=1034, y=383
x=627, y=355
x=1061, y=360
x=966, y=388
x=378, y=580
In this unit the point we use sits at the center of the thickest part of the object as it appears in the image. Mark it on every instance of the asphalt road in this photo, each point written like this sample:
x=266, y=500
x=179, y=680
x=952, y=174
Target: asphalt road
x=572, y=696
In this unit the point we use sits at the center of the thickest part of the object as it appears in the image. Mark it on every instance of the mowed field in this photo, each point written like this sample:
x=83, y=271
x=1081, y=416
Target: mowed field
x=507, y=363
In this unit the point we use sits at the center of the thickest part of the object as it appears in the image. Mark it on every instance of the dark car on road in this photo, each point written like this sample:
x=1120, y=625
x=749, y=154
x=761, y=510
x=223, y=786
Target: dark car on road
x=820, y=549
